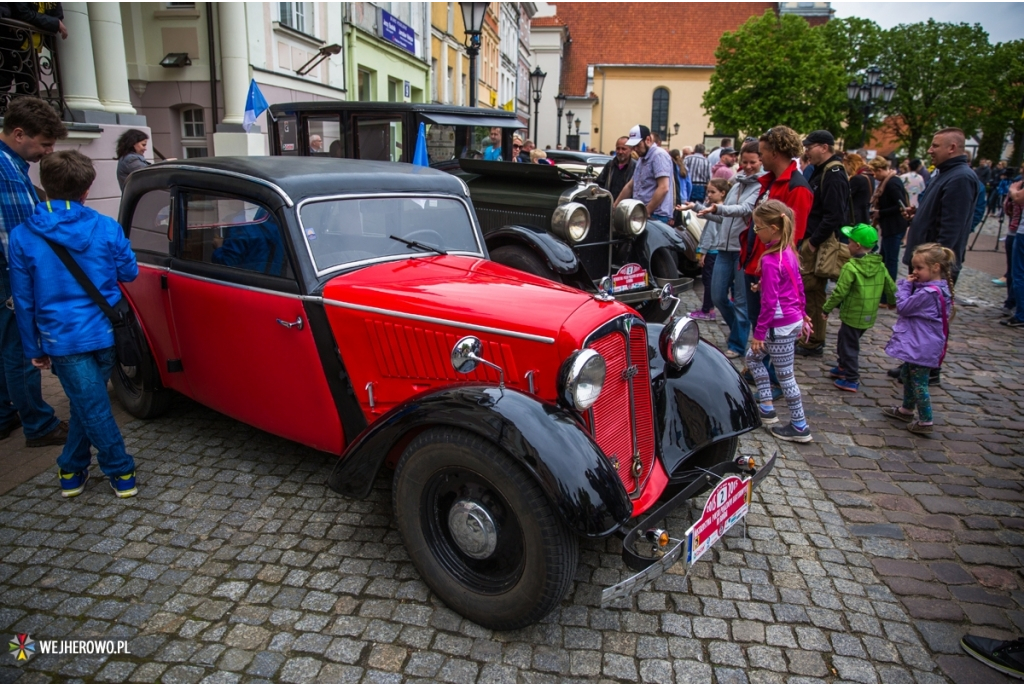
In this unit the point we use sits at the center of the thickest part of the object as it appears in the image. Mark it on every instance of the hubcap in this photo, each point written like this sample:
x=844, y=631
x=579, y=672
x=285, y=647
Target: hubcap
x=472, y=528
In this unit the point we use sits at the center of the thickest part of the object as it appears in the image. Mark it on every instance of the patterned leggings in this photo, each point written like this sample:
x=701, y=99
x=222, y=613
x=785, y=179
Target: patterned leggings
x=781, y=351
x=915, y=390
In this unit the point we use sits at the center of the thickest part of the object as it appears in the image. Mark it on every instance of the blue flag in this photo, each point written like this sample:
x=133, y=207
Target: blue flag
x=419, y=157
x=255, y=105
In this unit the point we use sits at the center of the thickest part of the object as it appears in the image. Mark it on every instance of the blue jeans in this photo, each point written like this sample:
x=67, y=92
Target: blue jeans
x=84, y=377
x=890, y=250
x=725, y=275
x=1017, y=272
x=697, y=192
x=21, y=386
x=753, y=312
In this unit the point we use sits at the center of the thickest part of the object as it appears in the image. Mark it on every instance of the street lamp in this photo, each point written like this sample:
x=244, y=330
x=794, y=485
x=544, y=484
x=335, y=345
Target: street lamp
x=560, y=104
x=578, y=122
x=867, y=92
x=675, y=132
x=536, y=85
x=568, y=122
x=473, y=21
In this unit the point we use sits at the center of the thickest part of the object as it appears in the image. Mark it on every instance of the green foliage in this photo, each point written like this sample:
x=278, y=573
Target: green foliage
x=775, y=70
x=1005, y=79
x=856, y=44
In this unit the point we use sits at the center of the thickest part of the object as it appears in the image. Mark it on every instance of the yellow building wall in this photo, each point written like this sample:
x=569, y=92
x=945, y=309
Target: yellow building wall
x=626, y=94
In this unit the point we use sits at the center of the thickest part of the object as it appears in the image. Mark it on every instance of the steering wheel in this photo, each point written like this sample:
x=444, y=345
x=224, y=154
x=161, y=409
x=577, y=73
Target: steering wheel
x=427, y=237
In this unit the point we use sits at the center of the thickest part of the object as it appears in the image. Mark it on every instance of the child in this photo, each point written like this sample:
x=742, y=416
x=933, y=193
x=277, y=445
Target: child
x=61, y=326
x=924, y=305
x=782, y=319
x=862, y=280
x=716, y=191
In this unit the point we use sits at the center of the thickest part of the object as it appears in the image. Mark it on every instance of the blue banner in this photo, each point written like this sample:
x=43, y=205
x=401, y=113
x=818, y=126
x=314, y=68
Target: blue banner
x=395, y=31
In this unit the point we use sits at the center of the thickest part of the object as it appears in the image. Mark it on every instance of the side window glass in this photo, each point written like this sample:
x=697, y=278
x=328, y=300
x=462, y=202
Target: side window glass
x=325, y=137
x=151, y=223
x=380, y=139
x=288, y=135
x=235, y=233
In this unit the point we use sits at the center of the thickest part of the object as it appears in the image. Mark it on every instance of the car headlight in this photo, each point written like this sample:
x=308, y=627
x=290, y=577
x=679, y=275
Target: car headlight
x=679, y=341
x=581, y=378
x=630, y=218
x=571, y=222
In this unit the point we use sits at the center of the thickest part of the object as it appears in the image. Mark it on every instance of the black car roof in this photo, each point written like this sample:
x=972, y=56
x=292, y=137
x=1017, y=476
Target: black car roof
x=335, y=105
x=301, y=177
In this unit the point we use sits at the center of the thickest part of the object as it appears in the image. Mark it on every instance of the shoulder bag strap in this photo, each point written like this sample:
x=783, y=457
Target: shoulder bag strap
x=90, y=288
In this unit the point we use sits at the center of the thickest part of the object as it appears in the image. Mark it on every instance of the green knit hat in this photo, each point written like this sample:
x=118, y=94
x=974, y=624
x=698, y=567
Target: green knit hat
x=862, y=234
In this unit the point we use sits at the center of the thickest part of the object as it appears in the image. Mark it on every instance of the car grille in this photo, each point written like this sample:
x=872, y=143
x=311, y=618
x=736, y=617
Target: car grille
x=612, y=422
x=593, y=250
x=492, y=219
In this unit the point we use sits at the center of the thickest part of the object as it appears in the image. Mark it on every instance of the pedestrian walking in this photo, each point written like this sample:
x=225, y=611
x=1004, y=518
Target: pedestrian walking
x=887, y=203
x=861, y=186
x=861, y=283
x=131, y=154
x=652, y=176
x=682, y=179
x=913, y=182
x=924, y=305
x=618, y=171
x=707, y=251
x=1015, y=262
x=699, y=171
x=61, y=326
x=830, y=211
x=31, y=128
x=782, y=319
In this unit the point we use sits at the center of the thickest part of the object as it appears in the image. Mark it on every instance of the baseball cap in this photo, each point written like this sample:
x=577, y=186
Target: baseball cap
x=637, y=133
x=862, y=234
x=727, y=151
x=819, y=138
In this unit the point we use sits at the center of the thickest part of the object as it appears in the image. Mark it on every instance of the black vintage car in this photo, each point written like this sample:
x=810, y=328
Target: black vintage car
x=541, y=219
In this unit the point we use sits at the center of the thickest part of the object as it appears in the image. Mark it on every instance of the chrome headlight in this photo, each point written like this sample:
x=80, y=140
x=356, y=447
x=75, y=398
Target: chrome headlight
x=571, y=222
x=679, y=341
x=581, y=378
x=630, y=218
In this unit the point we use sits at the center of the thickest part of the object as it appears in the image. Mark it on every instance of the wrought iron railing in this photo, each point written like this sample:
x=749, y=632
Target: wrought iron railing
x=29, y=65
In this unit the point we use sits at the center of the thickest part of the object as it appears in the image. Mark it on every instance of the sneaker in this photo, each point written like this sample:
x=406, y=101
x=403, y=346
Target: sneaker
x=848, y=386
x=58, y=436
x=792, y=433
x=1001, y=282
x=11, y=427
x=894, y=373
x=1005, y=312
x=124, y=486
x=810, y=351
x=733, y=354
x=934, y=377
x=1012, y=322
x=749, y=377
x=701, y=315
x=768, y=417
x=919, y=428
x=723, y=322
x=1006, y=657
x=895, y=413
x=836, y=372
x=72, y=484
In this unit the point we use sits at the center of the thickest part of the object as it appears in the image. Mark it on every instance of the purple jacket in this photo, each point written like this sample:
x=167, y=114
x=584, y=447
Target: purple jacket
x=919, y=336
x=782, y=292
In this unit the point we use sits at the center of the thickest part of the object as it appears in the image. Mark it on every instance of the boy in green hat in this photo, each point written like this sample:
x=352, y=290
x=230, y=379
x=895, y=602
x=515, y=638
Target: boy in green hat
x=861, y=284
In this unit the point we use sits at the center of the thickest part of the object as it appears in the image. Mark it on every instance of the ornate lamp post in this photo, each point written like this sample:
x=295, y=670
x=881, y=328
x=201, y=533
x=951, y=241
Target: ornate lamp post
x=868, y=92
x=473, y=19
x=560, y=105
x=536, y=85
x=578, y=122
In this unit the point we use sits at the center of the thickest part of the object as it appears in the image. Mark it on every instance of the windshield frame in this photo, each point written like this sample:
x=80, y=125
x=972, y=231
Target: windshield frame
x=320, y=273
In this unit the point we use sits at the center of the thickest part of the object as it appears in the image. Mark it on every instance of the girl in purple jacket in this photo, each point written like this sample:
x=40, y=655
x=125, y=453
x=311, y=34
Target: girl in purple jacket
x=782, y=318
x=924, y=307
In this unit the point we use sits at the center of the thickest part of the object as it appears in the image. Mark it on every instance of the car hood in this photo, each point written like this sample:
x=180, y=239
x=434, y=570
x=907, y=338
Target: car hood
x=460, y=290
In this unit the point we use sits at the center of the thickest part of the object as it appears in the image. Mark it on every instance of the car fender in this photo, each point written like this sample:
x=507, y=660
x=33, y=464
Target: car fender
x=557, y=254
x=546, y=440
x=697, y=405
x=659, y=235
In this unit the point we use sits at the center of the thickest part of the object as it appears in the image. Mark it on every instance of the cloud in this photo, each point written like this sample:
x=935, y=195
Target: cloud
x=1004, y=21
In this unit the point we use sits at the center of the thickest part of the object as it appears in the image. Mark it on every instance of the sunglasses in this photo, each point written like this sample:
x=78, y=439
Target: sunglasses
x=514, y=146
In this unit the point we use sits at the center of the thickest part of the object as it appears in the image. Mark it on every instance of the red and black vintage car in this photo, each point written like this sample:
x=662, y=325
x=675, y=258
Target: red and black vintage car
x=351, y=306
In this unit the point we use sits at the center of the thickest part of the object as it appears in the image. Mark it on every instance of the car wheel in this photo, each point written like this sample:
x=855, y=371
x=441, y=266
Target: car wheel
x=482, y=534
x=140, y=402
x=524, y=259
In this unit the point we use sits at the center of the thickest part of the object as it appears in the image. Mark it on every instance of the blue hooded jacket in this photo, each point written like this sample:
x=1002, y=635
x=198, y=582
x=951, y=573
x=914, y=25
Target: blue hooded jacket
x=55, y=316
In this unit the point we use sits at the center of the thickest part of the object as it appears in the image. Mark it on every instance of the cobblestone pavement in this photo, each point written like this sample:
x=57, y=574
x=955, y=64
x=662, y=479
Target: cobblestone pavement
x=236, y=564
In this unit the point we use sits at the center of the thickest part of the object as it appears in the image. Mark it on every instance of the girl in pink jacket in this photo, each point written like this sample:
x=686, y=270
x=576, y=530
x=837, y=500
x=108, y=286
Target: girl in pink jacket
x=782, y=319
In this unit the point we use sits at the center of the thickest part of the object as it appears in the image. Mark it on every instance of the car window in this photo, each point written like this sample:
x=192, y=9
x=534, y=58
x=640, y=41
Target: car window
x=325, y=137
x=235, y=233
x=288, y=135
x=340, y=232
x=446, y=142
x=150, y=222
x=379, y=139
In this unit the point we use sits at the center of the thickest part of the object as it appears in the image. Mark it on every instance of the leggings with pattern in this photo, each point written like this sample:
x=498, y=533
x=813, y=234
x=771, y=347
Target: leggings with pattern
x=781, y=351
x=915, y=390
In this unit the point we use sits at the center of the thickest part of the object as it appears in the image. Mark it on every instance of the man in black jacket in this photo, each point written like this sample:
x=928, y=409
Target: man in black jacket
x=618, y=171
x=830, y=211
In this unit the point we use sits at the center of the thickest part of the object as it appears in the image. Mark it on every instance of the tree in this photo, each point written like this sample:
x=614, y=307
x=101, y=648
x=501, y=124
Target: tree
x=940, y=74
x=1005, y=103
x=856, y=44
x=775, y=70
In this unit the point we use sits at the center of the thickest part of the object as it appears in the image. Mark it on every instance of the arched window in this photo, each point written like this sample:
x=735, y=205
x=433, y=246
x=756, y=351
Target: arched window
x=659, y=112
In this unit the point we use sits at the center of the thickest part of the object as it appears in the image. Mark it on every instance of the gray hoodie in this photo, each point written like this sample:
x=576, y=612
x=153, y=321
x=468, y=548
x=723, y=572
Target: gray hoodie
x=732, y=216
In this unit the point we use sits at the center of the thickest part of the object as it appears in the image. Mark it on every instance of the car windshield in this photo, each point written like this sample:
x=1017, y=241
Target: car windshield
x=464, y=142
x=342, y=232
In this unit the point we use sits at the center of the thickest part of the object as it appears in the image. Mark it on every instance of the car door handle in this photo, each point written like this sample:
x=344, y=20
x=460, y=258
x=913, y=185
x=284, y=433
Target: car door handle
x=298, y=323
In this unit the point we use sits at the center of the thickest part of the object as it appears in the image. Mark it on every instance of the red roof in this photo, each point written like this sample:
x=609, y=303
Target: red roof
x=673, y=34
x=546, y=21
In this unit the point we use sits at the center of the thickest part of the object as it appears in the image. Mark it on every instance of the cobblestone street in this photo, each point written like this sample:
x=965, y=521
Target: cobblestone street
x=867, y=555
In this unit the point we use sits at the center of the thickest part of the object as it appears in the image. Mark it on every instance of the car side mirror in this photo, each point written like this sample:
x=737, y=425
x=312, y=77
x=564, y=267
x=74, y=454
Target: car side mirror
x=466, y=357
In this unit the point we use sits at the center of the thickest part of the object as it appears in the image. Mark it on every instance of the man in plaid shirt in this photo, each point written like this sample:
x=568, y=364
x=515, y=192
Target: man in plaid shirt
x=31, y=128
x=699, y=170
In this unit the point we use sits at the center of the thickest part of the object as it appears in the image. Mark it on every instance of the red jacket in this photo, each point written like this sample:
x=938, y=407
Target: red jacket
x=791, y=189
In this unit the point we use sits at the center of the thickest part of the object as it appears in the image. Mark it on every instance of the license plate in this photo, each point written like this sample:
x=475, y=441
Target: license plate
x=629, y=277
x=634, y=584
x=726, y=506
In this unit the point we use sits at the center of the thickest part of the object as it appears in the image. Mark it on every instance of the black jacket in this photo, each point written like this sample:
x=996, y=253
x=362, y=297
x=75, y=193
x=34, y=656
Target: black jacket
x=614, y=179
x=830, y=210
x=890, y=211
x=945, y=210
x=29, y=13
x=861, y=189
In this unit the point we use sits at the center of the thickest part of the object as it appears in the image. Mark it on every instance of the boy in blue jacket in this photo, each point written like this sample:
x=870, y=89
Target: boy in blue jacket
x=62, y=327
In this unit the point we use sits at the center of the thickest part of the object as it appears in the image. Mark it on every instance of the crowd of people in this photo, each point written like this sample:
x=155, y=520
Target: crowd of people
x=788, y=216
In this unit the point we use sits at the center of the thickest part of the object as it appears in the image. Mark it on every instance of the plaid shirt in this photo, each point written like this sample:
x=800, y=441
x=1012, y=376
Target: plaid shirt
x=18, y=197
x=698, y=168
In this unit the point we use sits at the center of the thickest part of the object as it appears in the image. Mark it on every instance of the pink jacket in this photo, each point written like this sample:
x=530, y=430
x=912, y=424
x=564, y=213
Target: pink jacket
x=782, y=292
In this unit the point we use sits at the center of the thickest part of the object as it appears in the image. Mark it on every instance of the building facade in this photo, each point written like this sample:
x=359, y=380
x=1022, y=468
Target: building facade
x=448, y=60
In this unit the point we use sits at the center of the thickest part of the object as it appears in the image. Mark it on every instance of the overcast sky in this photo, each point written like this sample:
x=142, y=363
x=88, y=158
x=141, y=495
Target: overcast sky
x=1004, y=21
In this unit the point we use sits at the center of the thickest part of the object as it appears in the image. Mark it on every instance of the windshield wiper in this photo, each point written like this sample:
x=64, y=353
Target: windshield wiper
x=421, y=246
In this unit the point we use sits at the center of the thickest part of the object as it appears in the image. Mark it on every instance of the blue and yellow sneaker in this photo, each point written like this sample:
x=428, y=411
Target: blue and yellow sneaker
x=72, y=484
x=124, y=486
